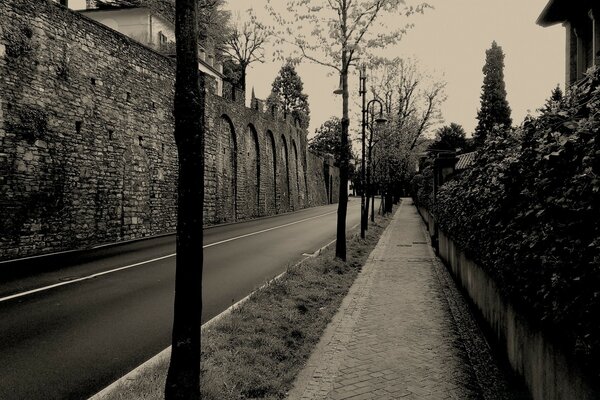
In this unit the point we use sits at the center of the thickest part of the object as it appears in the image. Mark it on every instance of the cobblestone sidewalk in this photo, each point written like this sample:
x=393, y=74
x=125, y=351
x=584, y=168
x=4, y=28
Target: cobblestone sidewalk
x=395, y=335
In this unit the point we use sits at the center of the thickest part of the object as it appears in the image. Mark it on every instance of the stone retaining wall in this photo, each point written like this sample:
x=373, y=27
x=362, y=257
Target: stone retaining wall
x=548, y=372
x=87, y=152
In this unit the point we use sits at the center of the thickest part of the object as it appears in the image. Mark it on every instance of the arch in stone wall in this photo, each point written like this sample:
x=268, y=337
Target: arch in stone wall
x=271, y=173
x=227, y=169
x=252, y=172
x=285, y=169
x=296, y=171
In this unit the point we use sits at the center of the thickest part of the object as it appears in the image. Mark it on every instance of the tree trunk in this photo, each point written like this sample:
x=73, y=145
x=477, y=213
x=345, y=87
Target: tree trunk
x=242, y=81
x=366, y=210
x=373, y=208
x=389, y=200
x=183, y=378
x=340, y=245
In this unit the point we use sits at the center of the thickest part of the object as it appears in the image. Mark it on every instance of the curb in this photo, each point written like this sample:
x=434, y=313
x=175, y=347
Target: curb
x=166, y=353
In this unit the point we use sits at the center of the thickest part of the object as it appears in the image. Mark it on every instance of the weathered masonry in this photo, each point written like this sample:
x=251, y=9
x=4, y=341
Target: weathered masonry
x=581, y=20
x=87, y=152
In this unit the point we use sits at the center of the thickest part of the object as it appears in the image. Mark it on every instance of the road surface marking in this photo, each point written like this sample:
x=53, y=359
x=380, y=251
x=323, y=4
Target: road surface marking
x=164, y=354
x=266, y=230
x=41, y=289
x=14, y=296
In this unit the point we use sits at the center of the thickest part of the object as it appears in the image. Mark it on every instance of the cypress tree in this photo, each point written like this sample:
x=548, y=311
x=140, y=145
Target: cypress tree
x=554, y=99
x=494, y=107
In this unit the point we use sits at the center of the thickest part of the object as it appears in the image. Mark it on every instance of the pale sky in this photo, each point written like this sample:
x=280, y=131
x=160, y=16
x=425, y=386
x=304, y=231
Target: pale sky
x=450, y=42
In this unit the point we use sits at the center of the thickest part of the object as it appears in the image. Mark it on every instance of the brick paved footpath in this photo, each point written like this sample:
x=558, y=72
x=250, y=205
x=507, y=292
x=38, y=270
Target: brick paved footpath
x=403, y=331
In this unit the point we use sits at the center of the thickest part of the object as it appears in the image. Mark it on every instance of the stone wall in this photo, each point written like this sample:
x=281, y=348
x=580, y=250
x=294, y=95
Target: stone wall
x=324, y=182
x=87, y=152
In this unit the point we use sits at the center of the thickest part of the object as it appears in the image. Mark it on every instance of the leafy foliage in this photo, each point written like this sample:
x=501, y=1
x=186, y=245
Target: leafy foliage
x=412, y=101
x=231, y=71
x=335, y=33
x=554, y=100
x=494, y=107
x=32, y=124
x=214, y=24
x=286, y=94
x=449, y=137
x=19, y=42
x=529, y=213
x=327, y=139
x=422, y=185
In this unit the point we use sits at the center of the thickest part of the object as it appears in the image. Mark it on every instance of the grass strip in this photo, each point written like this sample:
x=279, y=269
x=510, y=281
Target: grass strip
x=259, y=348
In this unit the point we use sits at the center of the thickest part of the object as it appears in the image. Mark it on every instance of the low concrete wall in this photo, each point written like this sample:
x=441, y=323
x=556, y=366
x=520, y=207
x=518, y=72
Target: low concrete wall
x=429, y=221
x=548, y=372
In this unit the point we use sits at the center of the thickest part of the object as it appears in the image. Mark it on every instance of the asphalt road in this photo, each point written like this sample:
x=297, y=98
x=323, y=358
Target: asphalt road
x=72, y=340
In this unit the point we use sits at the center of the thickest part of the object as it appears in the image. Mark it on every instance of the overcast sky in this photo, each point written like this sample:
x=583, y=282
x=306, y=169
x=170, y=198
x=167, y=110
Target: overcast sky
x=450, y=42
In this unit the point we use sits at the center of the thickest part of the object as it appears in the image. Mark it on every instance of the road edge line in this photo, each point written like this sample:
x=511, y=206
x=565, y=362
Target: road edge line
x=165, y=353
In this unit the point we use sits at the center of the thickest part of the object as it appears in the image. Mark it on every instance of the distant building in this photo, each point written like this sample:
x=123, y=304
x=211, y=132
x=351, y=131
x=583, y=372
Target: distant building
x=581, y=18
x=464, y=161
x=151, y=23
x=139, y=23
x=73, y=4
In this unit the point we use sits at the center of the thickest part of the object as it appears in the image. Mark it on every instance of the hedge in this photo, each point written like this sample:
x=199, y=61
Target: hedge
x=528, y=212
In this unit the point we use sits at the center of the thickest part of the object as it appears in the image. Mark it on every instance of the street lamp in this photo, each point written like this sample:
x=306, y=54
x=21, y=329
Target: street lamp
x=380, y=119
x=340, y=89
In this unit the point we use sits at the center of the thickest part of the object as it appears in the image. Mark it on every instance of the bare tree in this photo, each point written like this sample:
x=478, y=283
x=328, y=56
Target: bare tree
x=183, y=378
x=245, y=45
x=334, y=33
x=413, y=101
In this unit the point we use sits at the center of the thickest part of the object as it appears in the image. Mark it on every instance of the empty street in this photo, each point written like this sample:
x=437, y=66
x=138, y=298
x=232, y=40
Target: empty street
x=69, y=330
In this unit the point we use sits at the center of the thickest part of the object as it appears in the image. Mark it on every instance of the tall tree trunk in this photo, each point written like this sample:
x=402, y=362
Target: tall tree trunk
x=366, y=210
x=389, y=200
x=373, y=207
x=242, y=81
x=340, y=245
x=183, y=378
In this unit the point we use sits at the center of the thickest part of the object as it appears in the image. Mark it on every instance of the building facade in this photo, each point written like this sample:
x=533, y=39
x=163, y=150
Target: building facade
x=151, y=23
x=581, y=19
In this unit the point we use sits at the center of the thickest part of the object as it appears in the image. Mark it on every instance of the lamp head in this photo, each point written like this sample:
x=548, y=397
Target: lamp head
x=339, y=89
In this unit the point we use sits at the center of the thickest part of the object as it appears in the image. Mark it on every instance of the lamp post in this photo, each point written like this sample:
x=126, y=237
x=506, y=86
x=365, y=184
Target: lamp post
x=362, y=90
x=380, y=119
x=364, y=216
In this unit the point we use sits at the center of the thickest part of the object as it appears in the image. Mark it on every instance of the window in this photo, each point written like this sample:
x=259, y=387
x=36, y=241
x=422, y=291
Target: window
x=162, y=38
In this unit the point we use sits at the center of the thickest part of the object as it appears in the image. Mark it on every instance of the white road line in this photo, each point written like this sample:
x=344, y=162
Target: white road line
x=14, y=296
x=165, y=354
x=267, y=230
x=41, y=289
